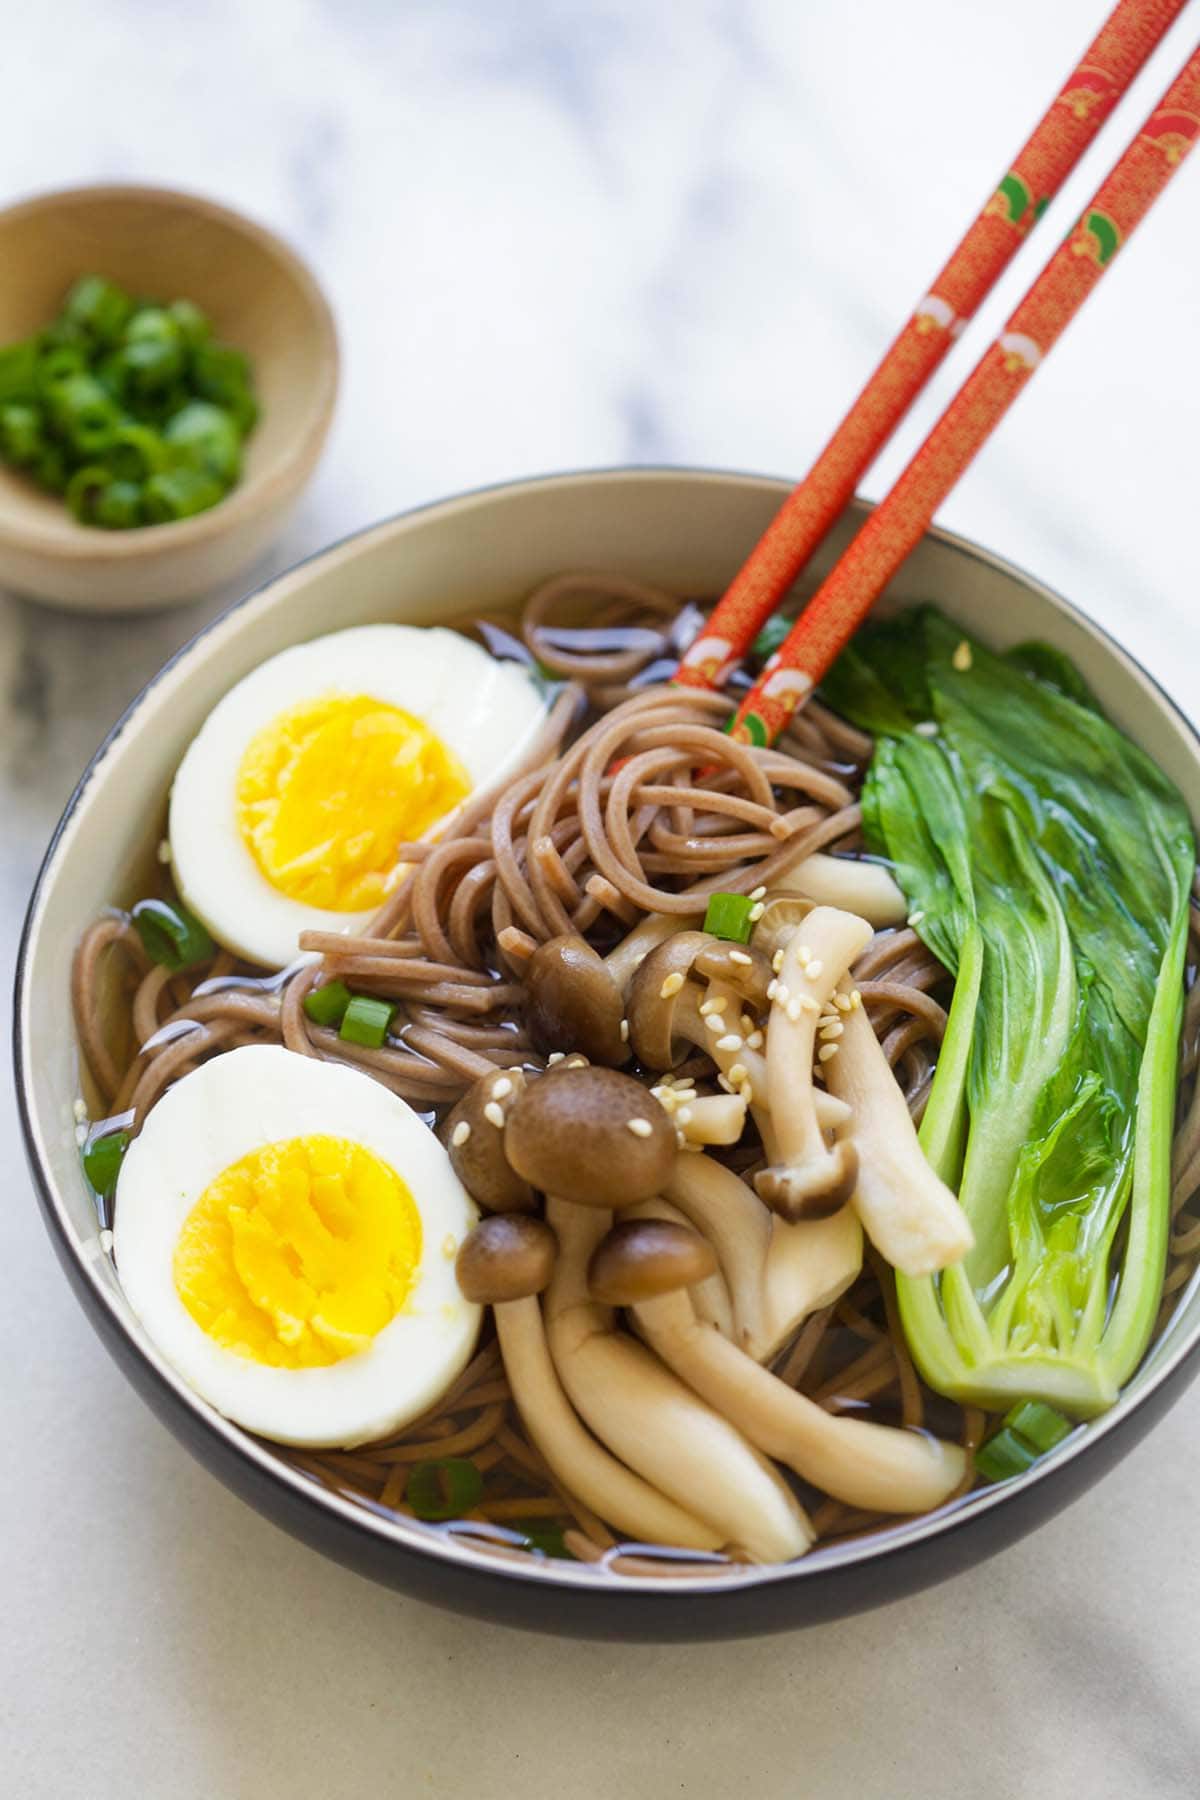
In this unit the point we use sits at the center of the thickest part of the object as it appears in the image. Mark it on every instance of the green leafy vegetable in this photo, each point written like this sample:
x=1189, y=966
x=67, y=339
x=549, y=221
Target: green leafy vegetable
x=1048, y=864
x=443, y=1489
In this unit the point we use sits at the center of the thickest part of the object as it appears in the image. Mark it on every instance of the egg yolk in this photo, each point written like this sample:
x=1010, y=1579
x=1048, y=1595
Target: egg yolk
x=299, y=1254
x=330, y=787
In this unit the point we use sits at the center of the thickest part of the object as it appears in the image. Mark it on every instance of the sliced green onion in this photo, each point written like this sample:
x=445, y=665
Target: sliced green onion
x=1005, y=1455
x=137, y=452
x=118, y=506
x=204, y=436
x=445, y=1489
x=222, y=374
x=58, y=362
x=100, y=307
x=538, y=1535
x=180, y=493
x=171, y=935
x=102, y=1161
x=194, y=324
x=18, y=371
x=49, y=469
x=771, y=637
x=1040, y=1425
x=20, y=433
x=728, y=916
x=327, y=1005
x=366, y=1021
x=83, y=411
x=151, y=364
x=84, y=490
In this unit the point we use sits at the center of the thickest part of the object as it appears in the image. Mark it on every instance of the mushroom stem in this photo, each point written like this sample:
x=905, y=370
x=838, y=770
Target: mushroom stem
x=574, y=1457
x=624, y=959
x=650, y=1419
x=883, y=1468
x=859, y=887
x=805, y=1176
x=909, y=1214
x=776, y=1273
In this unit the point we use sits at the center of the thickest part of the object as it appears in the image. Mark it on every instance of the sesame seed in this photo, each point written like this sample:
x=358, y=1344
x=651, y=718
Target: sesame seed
x=803, y=952
x=842, y=1002
x=746, y=1092
x=781, y=993
x=640, y=1127
x=758, y=893
x=754, y=1040
x=555, y=1056
x=79, y=1111
x=715, y=1005
x=695, y=1149
x=493, y=1113
x=714, y=1022
x=833, y=1030
x=449, y=1246
x=827, y=1051
x=624, y=1031
x=793, y=1010
x=739, y=956
x=777, y=961
x=808, y=1004
x=724, y=1083
x=745, y=1024
x=671, y=985
x=665, y=1098
x=684, y=1115
x=926, y=728
x=855, y=1000
x=738, y=1073
x=731, y=1041
x=501, y=1089
x=756, y=912
x=164, y=852
x=814, y=968
x=106, y=1241
x=914, y=918
x=577, y=1062
x=460, y=1134
x=962, y=657
x=680, y=1140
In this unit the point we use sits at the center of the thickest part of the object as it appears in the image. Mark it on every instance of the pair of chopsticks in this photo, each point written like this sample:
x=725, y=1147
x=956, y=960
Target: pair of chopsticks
x=898, y=523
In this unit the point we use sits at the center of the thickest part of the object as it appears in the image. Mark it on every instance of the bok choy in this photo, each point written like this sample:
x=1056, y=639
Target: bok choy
x=1047, y=863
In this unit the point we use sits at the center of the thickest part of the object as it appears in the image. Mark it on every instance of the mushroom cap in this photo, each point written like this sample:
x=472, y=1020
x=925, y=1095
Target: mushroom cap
x=572, y=1001
x=812, y=1191
x=642, y=1258
x=507, y=1257
x=653, y=996
x=477, y=1153
x=743, y=967
x=782, y=913
x=593, y=1136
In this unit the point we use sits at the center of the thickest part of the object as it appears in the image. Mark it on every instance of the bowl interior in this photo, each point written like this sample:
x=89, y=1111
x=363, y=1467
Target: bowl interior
x=687, y=531
x=164, y=245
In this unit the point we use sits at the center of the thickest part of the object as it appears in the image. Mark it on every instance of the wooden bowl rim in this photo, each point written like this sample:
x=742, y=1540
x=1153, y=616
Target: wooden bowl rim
x=69, y=543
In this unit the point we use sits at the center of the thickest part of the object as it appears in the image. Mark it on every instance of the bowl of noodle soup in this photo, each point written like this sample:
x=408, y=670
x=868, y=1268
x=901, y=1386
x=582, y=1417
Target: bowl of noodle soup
x=625, y=558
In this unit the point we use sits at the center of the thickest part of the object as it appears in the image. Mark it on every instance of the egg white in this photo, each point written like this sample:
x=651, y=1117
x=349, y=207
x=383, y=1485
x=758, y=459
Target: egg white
x=483, y=710
x=213, y=1117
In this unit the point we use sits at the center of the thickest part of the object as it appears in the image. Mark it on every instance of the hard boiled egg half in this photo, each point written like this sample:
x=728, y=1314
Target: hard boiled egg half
x=290, y=803
x=286, y=1230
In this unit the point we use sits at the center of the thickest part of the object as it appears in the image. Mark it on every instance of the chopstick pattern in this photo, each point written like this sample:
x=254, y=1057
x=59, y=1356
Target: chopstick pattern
x=1084, y=101
x=897, y=525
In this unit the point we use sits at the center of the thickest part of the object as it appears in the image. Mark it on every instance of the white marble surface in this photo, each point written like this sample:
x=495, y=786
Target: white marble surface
x=563, y=234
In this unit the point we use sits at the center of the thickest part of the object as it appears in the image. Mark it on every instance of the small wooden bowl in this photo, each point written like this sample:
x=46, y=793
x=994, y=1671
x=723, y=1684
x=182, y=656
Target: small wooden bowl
x=261, y=299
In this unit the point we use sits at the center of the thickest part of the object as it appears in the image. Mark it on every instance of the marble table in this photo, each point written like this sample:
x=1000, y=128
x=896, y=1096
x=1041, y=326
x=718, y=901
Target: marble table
x=565, y=235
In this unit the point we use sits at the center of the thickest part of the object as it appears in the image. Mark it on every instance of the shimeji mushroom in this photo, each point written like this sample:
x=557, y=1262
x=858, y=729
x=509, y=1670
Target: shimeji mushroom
x=641, y=1258
x=573, y=1001
x=883, y=1468
x=591, y=1134
x=505, y=1263
x=650, y=1419
x=910, y=1215
x=806, y=1178
x=474, y=1138
x=776, y=1274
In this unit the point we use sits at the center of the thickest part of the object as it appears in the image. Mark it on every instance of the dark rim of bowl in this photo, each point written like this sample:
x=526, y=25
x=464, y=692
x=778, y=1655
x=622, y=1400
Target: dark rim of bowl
x=960, y=1514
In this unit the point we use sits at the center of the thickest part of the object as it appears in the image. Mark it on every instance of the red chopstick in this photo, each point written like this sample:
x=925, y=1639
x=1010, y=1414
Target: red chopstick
x=901, y=519
x=1093, y=88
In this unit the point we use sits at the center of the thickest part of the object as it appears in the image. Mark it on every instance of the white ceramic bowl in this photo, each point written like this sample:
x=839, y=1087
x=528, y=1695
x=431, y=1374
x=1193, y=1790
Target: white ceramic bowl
x=688, y=530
